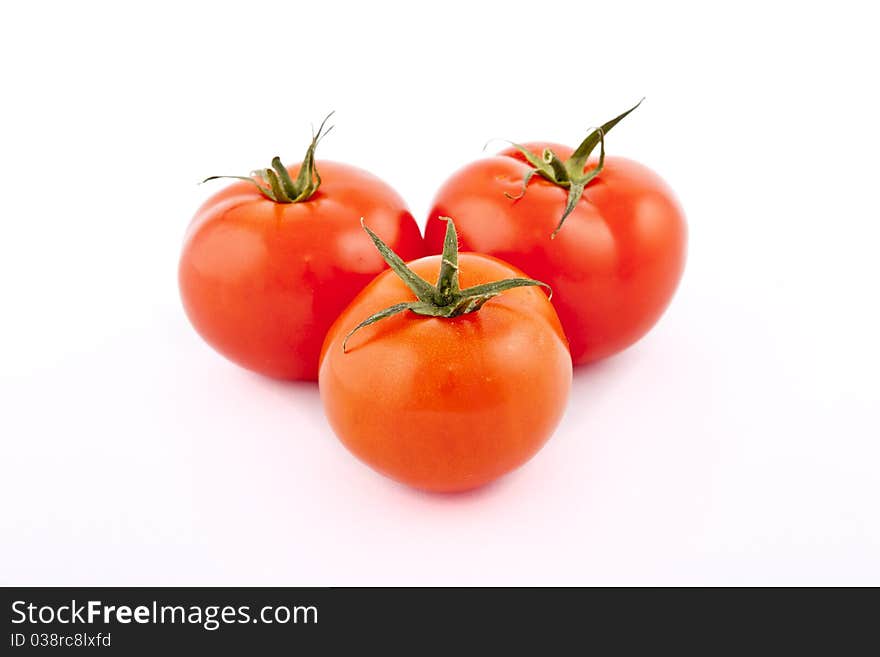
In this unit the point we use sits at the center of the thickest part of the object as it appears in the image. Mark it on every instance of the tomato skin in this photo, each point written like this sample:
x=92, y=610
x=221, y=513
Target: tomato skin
x=613, y=267
x=447, y=404
x=263, y=281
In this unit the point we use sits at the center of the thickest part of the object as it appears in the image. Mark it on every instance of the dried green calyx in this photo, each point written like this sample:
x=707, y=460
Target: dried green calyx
x=275, y=182
x=445, y=299
x=569, y=174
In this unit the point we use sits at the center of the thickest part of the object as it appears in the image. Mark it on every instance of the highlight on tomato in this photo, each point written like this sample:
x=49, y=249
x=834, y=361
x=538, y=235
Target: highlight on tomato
x=606, y=233
x=270, y=261
x=446, y=387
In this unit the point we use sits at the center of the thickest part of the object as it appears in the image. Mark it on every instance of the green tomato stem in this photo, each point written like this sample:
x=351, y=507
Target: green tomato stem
x=445, y=299
x=569, y=174
x=275, y=183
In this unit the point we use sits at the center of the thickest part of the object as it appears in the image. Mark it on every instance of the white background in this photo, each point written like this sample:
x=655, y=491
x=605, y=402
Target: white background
x=736, y=444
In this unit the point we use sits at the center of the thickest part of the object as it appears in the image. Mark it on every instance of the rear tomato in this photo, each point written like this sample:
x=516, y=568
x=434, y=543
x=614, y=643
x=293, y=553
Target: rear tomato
x=613, y=265
x=262, y=279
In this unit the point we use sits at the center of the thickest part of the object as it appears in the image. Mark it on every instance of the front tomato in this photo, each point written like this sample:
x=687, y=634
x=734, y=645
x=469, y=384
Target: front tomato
x=269, y=262
x=455, y=387
x=613, y=264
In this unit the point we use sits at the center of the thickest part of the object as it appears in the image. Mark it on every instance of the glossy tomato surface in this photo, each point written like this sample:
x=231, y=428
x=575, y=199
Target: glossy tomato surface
x=263, y=281
x=613, y=267
x=447, y=404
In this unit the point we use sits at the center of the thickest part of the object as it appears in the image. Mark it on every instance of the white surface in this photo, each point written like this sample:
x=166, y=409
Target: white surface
x=737, y=444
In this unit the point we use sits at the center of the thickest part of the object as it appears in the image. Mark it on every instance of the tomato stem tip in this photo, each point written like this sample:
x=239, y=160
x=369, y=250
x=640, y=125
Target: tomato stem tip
x=568, y=174
x=275, y=183
x=445, y=299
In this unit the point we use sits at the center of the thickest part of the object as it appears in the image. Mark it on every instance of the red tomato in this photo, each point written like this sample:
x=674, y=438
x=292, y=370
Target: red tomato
x=262, y=281
x=614, y=264
x=446, y=403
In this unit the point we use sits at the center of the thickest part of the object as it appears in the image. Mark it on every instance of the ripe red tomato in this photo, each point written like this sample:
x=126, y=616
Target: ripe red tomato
x=613, y=265
x=444, y=401
x=262, y=280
